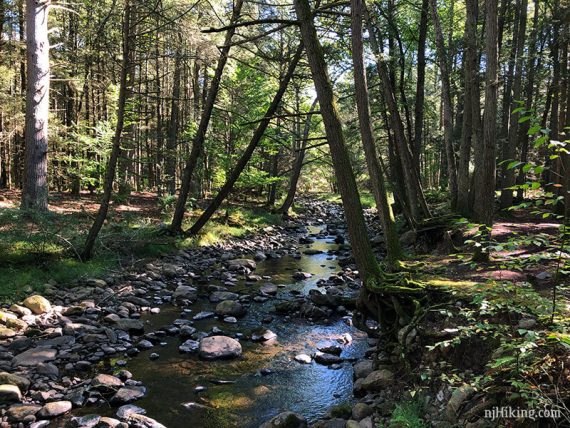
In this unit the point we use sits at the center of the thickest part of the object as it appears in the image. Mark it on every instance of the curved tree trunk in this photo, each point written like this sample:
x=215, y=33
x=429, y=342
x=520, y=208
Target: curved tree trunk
x=393, y=248
x=35, y=189
x=198, y=140
x=361, y=248
x=255, y=139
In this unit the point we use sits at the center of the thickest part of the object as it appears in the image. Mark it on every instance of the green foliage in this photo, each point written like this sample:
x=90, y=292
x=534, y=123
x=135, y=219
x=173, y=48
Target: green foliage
x=408, y=414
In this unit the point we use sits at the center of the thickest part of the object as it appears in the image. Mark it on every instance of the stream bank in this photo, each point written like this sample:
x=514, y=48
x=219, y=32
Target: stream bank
x=279, y=298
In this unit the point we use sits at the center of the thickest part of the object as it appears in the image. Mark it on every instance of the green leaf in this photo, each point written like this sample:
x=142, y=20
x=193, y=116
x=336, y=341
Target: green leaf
x=525, y=119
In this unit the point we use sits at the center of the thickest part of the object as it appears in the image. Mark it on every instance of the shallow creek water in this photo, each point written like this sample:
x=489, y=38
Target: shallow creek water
x=308, y=389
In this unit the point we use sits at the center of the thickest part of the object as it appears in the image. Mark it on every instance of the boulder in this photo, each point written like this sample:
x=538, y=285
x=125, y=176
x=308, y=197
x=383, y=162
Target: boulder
x=219, y=347
x=327, y=359
x=13, y=379
x=37, y=304
x=6, y=333
x=106, y=383
x=218, y=296
x=458, y=397
x=18, y=412
x=10, y=394
x=303, y=358
x=55, y=408
x=189, y=347
x=128, y=394
x=34, y=356
x=185, y=292
x=361, y=411
x=377, y=380
x=130, y=325
x=286, y=420
x=238, y=264
x=230, y=308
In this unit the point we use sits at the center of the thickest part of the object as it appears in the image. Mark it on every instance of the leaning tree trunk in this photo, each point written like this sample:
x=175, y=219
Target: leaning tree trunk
x=447, y=109
x=199, y=138
x=417, y=206
x=255, y=139
x=298, y=164
x=361, y=248
x=116, y=149
x=484, y=185
x=393, y=248
x=35, y=184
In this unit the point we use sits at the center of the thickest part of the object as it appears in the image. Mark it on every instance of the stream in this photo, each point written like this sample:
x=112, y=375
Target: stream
x=266, y=380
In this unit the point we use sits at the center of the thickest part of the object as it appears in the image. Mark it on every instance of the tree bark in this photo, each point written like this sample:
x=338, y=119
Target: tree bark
x=447, y=109
x=368, y=267
x=510, y=147
x=414, y=197
x=35, y=190
x=393, y=248
x=87, y=252
x=170, y=169
x=483, y=208
x=199, y=138
x=471, y=114
x=420, y=84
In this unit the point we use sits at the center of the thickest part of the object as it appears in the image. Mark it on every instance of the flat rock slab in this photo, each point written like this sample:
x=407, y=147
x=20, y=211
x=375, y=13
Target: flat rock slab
x=128, y=394
x=34, y=356
x=56, y=408
x=219, y=347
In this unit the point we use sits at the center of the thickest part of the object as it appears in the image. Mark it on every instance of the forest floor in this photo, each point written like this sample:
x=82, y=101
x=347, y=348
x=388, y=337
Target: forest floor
x=40, y=249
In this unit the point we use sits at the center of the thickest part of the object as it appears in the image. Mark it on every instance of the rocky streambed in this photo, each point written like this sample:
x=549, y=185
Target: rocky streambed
x=229, y=335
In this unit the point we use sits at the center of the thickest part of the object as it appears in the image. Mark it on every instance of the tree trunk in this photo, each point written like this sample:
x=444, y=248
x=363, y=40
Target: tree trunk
x=414, y=197
x=361, y=248
x=447, y=109
x=393, y=249
x=470, y=128
x=198, y=140
x=116, y=149
x=420, y=84
x=255, y=139
x=483, y=208
x=510, y=147
x=529, y=92
x=298, y=164
x=35, y=190
x=171, y=145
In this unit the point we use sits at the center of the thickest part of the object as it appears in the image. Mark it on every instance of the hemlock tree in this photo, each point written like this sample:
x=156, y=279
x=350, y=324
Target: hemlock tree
x=35, y=184
x=484, y=184
x=393, y=248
